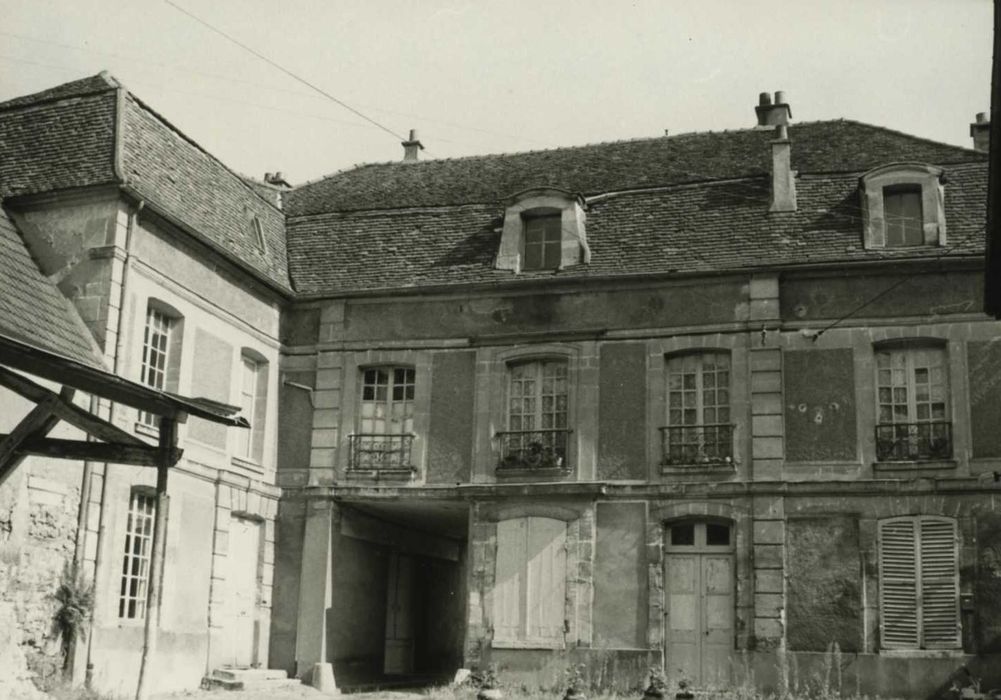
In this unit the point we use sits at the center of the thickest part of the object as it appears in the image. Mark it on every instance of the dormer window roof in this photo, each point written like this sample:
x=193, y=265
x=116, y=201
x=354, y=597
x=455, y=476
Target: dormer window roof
x=544, y=229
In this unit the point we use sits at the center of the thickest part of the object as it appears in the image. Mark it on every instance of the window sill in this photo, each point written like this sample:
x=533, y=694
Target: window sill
x=917, y=465
x=923, y=653
x=527, y=472
x=247, y=464
x=715, y=468
x=394, y=474
x=527, y=644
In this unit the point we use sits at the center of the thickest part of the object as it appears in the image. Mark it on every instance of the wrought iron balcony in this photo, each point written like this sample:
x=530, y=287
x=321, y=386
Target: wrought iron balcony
x=909, y=442
x=381, y=452
x=534, y=449
x=693, y=445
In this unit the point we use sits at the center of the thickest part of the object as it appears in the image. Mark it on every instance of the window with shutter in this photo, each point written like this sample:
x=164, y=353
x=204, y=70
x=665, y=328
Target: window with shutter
x=530, y=584
x=919, y=586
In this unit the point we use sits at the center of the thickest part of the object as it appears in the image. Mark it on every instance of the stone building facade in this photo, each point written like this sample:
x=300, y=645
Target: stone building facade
x=721, y=404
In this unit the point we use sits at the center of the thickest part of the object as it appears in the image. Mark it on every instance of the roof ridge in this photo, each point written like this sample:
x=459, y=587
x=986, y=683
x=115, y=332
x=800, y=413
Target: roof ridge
x=913, y=137
x=82, y=87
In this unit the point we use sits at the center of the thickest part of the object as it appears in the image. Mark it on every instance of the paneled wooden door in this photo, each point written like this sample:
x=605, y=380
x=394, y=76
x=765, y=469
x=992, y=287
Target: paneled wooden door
x=699, y=605
x=242, y=586
x=399, y=650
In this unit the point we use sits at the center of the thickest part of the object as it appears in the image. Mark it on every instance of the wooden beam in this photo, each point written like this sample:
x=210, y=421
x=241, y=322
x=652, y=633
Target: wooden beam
x=66, y=410
x=138, y=455
x=31, y=423
x=154, y=591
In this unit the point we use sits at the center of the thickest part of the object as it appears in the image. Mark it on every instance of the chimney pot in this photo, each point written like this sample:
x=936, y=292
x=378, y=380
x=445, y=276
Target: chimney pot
x=773, y=114
x=412, y=146
x=980, y=130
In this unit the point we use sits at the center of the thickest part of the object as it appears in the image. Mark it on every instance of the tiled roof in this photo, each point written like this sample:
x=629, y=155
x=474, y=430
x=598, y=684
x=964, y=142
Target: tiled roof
x=65, y=137
x=817, y=147
x=164, y=166
x=688, y=228
x=57, y=145
x=32, y=309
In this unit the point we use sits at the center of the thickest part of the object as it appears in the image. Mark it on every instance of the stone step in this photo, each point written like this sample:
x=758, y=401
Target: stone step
x=248, y=679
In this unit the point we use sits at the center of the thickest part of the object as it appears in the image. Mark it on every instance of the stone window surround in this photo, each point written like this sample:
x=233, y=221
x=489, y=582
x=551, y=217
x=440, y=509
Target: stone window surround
x=495, y=393
x=659, y=519
x=542, y=201
x=929, y=178
x=355, y=364
x=580, y=521
x=659, y=352
x=172, y=372
x=258, y=420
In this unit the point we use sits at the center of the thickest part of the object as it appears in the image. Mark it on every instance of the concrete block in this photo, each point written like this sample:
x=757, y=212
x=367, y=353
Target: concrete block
x=769, y=359
x=327, y=360
x=767, y=628
x=770, y=425
x=329, y=379
x=766, y=382
x=327, y=398
x=768, y=556
x=766, y=404
x=327, y=418
x=764, y=287
x=769, y=507
x=768, y=581
x=766, y=447
x=325, y=437
x=769, y=532
x=768, y=469
x=322, y=457
x=767, y=605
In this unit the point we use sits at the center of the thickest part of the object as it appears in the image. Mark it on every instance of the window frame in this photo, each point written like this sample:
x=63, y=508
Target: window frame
x=136, y=562
x=724, y=429
x=549, y=227
x=172, y=326
x=547, y=451
x=381, y=445
x=250, y=442
x=938, y=427
x=894, y=556
x=894, y=193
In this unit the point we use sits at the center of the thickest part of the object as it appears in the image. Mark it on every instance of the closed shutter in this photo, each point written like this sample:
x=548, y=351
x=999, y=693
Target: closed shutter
x=939, y=583
x=898, y=584
x=529, y=596
x=508, y=579
x=919, y=585
x=546, y=569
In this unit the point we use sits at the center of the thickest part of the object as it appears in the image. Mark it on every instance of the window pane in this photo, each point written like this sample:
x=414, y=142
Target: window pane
x=717, y=535
x=683, y=534
x=903, y=215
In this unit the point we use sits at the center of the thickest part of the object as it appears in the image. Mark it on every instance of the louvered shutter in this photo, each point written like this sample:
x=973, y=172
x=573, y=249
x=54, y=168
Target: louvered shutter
x=939, y=583
x=898, y=584
x=546, y=583
x=508, y=582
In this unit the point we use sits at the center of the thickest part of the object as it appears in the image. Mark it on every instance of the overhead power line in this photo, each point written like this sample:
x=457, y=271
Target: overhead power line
x=286, y=71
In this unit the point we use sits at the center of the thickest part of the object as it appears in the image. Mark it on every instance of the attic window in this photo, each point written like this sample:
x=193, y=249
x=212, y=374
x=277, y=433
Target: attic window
x=542, y=242
x=257, y=235
x=903, y=206
x=543, y=230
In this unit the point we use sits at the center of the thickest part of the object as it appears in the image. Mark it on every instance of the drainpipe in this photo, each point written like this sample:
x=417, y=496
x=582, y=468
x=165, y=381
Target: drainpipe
x=88, y=467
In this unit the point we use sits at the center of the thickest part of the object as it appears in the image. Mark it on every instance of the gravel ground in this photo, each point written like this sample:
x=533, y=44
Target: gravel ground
x=294, y=692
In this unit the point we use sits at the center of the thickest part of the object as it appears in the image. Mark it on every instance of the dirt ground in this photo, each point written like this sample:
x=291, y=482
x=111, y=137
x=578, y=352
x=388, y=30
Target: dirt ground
x=295, y=692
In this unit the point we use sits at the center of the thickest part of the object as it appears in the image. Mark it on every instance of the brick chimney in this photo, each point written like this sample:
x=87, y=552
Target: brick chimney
x=783, y=177
x=412, y=146
x=773, y=114
x=980, y=130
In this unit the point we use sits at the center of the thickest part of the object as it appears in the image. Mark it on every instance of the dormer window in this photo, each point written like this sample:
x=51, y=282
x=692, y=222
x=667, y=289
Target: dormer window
x=257, y=235
x=903, y=206
x=543, y=230
x=543, y=242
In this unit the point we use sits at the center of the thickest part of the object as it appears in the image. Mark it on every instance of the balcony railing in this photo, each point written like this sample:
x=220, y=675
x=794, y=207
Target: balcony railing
x=381, y=451
x=910, y=442
x=693, y=445
x=534, y=449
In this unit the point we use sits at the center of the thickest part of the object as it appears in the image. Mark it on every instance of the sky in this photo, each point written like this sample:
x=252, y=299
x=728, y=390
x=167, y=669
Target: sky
x=476, y=77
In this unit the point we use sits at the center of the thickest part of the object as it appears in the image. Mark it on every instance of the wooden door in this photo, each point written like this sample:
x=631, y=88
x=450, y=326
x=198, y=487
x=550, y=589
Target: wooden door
x=243, y=564
x=699, y=604
x=399, y=649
